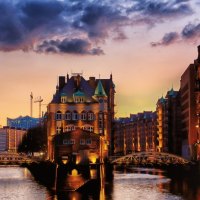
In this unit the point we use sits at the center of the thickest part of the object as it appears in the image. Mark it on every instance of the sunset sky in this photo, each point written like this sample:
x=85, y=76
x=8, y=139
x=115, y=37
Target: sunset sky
x=145, y=44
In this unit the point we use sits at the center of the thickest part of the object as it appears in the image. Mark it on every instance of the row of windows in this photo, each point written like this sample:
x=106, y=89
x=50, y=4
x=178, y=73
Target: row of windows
x=77, y=99
x=75, y=116
x=72, y=128
x=82, y=141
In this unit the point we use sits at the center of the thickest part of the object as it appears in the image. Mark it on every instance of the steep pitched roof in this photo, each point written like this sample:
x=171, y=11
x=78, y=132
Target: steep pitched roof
x=99, y=91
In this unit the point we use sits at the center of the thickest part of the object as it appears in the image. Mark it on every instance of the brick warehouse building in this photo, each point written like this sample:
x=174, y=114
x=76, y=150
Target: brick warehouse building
x=80, y=118
x=190, y=109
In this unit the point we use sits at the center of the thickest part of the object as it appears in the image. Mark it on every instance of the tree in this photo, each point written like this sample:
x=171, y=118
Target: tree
x=35, y=140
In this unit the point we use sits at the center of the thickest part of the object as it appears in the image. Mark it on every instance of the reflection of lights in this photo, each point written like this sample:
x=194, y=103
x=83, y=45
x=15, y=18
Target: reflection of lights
x=75, y=196
x=25, y=172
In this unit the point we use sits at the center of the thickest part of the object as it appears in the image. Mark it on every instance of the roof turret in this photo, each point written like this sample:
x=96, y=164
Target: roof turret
x=99, y=91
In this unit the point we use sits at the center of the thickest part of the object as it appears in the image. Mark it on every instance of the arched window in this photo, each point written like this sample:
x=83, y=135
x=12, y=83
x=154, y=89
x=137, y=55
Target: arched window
x=90, y=116
x=68, y=115
x=75, y=115
x=83, y=115
x=58, y=115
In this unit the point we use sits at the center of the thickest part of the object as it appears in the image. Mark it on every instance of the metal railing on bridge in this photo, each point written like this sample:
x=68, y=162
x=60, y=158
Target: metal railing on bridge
x=13, y=158
x=150, y=158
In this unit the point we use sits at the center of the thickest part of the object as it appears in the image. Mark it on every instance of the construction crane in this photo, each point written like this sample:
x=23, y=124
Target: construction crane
x=39, y=100
x=31, y=104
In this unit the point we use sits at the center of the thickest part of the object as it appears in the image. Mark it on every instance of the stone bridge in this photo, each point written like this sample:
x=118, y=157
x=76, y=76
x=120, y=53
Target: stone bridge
x=149, y=158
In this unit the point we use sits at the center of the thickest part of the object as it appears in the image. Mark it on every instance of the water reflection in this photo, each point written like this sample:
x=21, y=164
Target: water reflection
x=133, y=183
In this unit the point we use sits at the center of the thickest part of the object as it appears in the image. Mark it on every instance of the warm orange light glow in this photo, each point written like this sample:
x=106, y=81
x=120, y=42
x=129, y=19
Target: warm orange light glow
x=93, y=173
x=93, y=158
x=78, y=160
x=74, y=172
x=64, y=162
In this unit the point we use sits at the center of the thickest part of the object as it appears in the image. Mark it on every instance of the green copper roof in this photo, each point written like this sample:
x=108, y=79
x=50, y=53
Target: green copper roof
x=63, y=94
x=162, y=100
x=79, y=94
x=171, y=92
x=99, y=91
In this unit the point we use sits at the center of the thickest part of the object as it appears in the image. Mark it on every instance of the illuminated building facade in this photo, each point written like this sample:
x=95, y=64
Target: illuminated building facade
x=135, y=134
x=169, y=138
x=25, y=122
x=10, y=138
x=81, y=108
x=190, y=109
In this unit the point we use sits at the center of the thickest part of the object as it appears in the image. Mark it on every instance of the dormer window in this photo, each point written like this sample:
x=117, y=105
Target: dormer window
x=63, y=98
x=79, y=97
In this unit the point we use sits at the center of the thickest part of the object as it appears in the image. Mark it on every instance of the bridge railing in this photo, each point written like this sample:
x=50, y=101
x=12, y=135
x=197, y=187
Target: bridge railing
x=149, y=158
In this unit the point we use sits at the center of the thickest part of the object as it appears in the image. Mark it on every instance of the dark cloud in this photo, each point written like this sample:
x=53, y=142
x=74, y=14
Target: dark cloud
x=73, y=46
x=167, y=39
x=161, y=8
x=96, y=20
x=191, y=30
x=41, y=13
x=34, y=24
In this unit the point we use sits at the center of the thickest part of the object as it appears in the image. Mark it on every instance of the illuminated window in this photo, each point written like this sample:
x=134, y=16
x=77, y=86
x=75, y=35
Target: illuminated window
x=58, y=130
x=88, y=141
x=65, y=141
x=83, y=115
x=63, y=99
x=88, y=128
x=68, y=115
x=58, y=115
x=101, y=120
x=70, y=128
x=90, y=116
x=82, y=142
x=74, y=115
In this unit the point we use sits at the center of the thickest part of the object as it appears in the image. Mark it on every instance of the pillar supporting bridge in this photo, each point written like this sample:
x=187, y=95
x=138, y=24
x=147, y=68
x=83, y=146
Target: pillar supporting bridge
x=150, y=158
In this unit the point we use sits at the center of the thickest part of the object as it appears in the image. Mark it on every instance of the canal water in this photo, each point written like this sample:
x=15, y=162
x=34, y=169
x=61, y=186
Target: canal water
x=17, y=183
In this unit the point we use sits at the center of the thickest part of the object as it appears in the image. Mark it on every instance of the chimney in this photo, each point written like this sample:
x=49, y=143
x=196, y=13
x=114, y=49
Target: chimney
x=61, y=82
x=198, y=53
x=92, y=82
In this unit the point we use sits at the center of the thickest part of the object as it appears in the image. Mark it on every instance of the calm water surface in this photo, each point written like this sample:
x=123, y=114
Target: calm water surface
x=135, y=184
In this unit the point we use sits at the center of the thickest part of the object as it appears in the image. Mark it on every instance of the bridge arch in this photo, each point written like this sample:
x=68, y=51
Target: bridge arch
x=143, y=158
